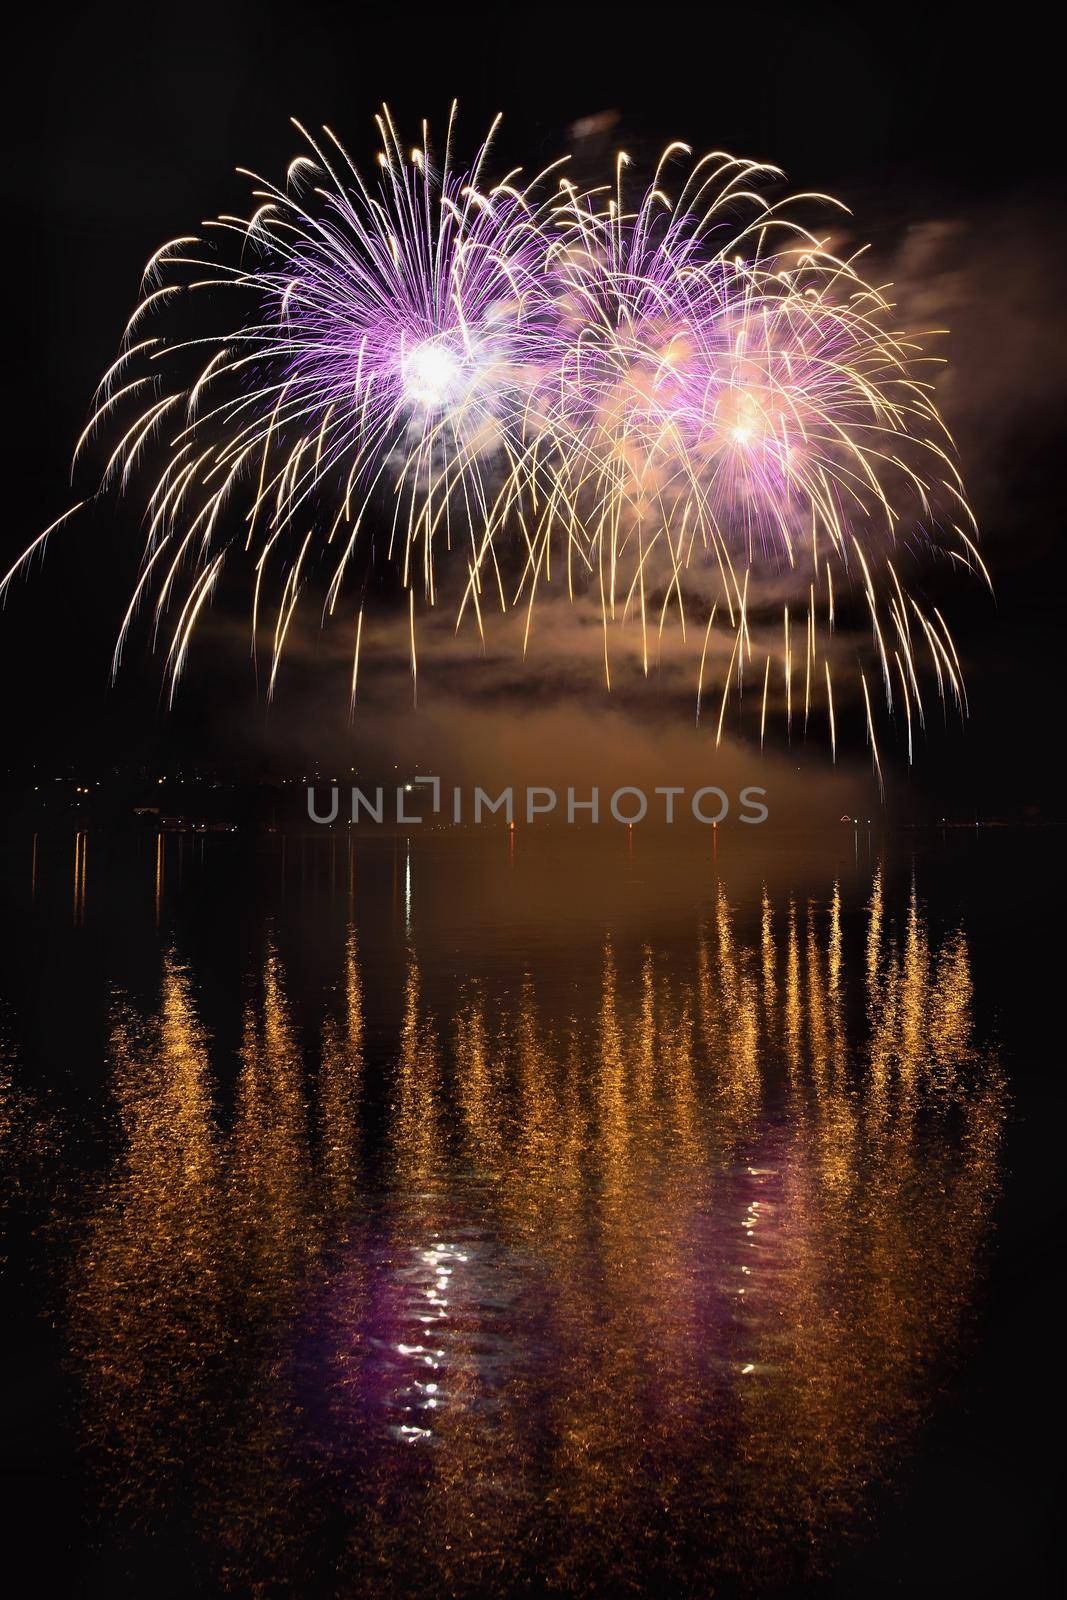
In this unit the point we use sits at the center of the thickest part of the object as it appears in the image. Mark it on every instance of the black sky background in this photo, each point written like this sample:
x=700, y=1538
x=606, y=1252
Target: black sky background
x=124, y=126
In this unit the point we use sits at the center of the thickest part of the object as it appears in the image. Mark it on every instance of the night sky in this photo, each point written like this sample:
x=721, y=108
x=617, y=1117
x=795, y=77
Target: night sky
x=125, y=125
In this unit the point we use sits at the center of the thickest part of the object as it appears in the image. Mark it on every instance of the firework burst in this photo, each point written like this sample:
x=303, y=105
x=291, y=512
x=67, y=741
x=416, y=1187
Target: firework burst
x=735, y=401
x=683, y=400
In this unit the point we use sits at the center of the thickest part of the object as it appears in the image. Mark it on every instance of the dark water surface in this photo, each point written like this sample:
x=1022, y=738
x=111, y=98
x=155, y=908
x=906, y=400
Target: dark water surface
x=574, y=1214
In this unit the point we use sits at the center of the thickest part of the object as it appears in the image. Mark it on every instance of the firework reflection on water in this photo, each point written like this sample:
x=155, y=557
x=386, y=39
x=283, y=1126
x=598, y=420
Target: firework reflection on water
x=646, y=1261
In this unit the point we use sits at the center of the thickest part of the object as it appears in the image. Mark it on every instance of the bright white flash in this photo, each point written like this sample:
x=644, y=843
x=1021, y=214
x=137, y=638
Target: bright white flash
x=431, y=374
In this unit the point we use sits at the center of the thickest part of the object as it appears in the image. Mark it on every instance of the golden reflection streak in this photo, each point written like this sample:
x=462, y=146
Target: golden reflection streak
x=81, y=856
x=161, y=862
x=414, y=1128
x=340, y=1087
x=270, y=1177
x=148, y=1296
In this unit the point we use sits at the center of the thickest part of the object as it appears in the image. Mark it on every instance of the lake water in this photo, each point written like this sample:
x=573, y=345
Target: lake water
x=597, y=1213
